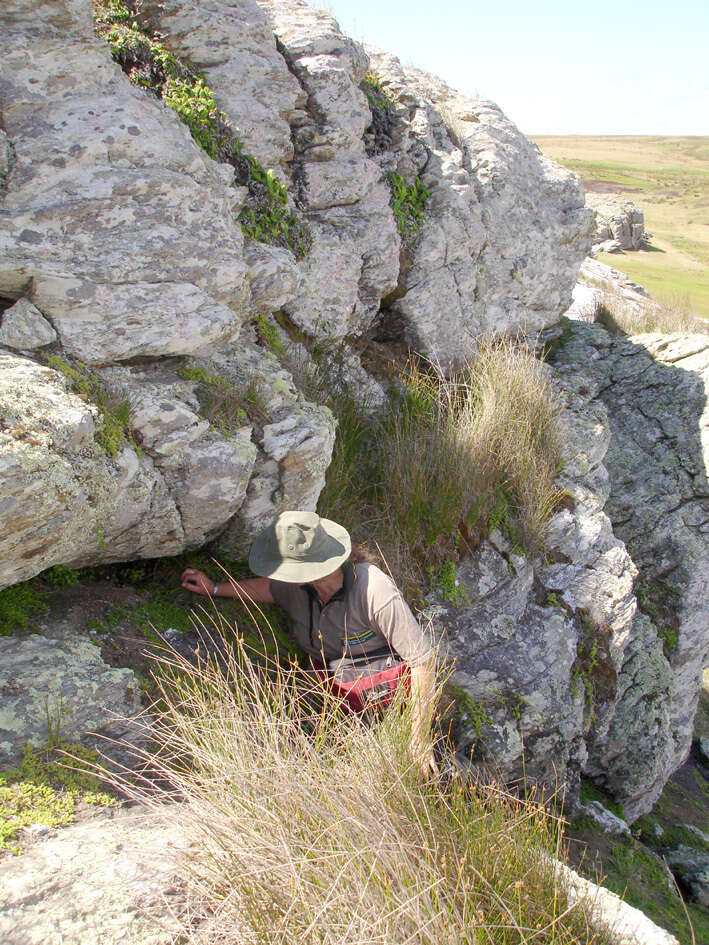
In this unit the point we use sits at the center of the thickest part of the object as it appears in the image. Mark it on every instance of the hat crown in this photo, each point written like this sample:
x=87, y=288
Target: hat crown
x=300, y=539
x=299, y=547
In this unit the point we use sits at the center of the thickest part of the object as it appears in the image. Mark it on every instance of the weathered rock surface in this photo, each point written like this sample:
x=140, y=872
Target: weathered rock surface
x=504, y=227
x=110, y=879
x=691, y=867
x=654, y=388
x=58, y=683
x=64, y=499
x=113, y=218
x=538, y=646
x=620, y=224
x=24, y=327
x=600, y=287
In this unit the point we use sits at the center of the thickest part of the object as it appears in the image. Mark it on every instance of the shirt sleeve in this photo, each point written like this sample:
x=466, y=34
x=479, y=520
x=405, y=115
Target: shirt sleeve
x=402, y=631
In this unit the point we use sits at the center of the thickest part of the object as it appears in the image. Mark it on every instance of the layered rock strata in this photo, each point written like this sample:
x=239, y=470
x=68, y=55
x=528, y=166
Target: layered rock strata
x=620, y=224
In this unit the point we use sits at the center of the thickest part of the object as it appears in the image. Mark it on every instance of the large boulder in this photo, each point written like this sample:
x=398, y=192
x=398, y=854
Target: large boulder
x=504, y=230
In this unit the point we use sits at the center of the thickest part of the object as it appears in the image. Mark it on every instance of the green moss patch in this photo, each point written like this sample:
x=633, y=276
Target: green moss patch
x=51, y=783
x=151, y=66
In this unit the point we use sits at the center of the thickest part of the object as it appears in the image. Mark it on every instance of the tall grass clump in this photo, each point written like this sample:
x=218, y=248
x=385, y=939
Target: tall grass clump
x=308, y=826
x=449, y=457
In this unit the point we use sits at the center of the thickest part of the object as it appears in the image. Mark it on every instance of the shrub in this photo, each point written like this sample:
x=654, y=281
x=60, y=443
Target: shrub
x=310, y=827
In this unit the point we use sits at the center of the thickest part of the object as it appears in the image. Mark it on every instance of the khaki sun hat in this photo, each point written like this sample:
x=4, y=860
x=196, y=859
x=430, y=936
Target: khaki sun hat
x=299, y=547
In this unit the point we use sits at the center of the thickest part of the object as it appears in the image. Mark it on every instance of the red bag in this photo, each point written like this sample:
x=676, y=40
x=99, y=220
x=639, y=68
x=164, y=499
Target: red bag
x=372, y=691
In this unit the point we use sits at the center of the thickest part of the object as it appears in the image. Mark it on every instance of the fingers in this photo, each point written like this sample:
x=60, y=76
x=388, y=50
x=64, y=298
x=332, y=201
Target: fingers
x=197, y=582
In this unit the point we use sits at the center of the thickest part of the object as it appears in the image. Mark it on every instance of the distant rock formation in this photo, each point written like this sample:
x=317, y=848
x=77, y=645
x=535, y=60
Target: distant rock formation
x=620, y=224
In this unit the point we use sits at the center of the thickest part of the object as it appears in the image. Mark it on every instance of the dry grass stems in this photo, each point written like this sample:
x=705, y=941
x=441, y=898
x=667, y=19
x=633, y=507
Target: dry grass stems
x=448, y=455
x=308, y=826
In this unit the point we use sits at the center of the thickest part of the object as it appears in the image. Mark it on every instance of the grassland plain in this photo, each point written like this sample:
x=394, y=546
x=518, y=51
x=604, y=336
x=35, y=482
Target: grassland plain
x=668, y=178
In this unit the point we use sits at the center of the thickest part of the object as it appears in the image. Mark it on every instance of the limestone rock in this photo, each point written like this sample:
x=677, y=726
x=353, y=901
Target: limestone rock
x=654, y=388
x=606, y=820
x=290, y=473
x=691, y=867
x=109, y=879
x=24, y=327
x=232, y=42
x=628, y=926
x=273, y=275
x=493, y=253
x=64, y=499
x=618, y=219
x=600, y=287
x=106, y=186
x=60, y=682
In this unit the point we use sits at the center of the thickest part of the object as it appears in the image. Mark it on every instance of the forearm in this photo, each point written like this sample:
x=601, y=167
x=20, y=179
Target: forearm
x=247, y=590
x=423, y=691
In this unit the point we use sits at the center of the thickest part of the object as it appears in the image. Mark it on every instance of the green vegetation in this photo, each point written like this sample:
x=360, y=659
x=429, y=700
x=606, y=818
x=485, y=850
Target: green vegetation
x=446, y=457
x=151, y=66
x=363, y=850
x=270, y=337
x=635, y=873
x=18, y=604
x=669, y=180
x=407, y=203
x=114, y=407
x=445, y=584
x=47, y=788
x=378, y=136
x=220, y=402
x=474, y=714
x=582, y=673
x=659, y=600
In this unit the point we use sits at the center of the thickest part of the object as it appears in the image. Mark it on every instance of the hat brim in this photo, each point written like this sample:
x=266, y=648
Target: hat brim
x=265, y=560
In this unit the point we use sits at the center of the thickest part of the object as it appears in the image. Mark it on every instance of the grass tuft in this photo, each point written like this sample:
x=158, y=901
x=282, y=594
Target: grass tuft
x=447, y=459
x=309, y=826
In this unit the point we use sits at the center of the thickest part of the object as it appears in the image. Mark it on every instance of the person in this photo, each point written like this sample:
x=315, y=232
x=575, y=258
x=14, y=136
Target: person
x=350, y=618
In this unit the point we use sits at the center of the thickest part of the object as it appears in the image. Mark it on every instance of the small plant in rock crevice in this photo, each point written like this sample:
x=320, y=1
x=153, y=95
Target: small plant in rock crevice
x=407, y=204
x=266, y=216
x=378, y=135
x=115, y=408
x=220, y=401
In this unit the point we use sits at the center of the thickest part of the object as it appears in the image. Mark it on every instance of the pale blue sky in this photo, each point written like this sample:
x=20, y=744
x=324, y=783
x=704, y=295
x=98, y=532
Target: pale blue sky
x=599, y=67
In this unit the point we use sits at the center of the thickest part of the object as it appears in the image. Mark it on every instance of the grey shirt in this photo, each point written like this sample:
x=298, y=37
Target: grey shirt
x=367, y=614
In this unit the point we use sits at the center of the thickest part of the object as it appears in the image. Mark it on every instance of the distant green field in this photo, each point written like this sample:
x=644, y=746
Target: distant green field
x=668, y=178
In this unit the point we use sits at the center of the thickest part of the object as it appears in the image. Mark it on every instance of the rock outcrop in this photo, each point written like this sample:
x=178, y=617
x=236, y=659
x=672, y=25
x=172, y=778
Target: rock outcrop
x=538, y=645
x=120, y=245
x=654, y=389
x=620, y=224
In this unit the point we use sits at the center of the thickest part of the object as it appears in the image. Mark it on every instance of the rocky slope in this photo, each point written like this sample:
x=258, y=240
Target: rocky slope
x=127, y=284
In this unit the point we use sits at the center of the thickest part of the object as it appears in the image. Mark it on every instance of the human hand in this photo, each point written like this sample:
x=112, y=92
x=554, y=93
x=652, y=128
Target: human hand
x=197, y=582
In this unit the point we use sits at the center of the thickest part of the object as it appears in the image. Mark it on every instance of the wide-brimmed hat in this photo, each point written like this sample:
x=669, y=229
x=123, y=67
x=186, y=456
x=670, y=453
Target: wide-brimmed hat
x=299, y=547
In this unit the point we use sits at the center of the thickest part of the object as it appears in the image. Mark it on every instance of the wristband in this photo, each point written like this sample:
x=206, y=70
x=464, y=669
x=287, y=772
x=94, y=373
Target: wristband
x=215, y=589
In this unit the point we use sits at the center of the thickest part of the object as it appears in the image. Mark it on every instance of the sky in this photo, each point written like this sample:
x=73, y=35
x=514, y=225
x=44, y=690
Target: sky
x=597, y=68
